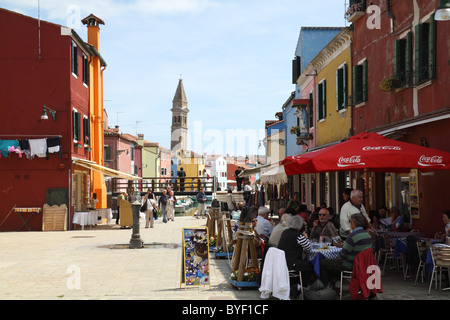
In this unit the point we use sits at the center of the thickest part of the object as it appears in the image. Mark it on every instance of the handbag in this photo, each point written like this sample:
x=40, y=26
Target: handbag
x=155, y=214
x=144, y=207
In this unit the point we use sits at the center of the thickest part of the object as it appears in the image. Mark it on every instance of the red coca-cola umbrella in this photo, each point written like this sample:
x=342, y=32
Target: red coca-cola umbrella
x=368, y=151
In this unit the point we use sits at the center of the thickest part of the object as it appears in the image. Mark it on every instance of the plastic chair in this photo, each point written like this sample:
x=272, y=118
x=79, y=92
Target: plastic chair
x=440, y=255
x=344, y=275
x=293, y=274
x=422, y=249
x=389, y=253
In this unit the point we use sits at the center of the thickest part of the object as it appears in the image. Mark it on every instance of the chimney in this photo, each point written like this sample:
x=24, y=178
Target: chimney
x=93, y=24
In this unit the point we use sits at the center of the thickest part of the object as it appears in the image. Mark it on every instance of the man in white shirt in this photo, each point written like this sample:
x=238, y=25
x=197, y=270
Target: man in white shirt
x=264, y=226
x=354, y=205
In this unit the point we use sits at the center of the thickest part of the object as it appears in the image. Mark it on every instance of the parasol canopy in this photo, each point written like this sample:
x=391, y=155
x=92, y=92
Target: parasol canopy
x=370, y=151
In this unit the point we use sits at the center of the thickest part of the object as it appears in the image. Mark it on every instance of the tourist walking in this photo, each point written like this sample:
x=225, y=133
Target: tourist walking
x=170, y=206
x=151, y=206
x=162, y=202
x=201, y=199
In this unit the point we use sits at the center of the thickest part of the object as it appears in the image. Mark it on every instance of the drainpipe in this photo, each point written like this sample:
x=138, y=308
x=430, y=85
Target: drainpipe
x=390, y=15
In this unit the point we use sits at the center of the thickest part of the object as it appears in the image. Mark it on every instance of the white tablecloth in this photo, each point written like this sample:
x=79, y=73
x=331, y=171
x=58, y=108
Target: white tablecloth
x=85, y=218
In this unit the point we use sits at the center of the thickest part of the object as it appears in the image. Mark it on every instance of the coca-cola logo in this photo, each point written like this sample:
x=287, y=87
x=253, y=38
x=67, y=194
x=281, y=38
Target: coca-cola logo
x=349, y=161
x=394, y=148
x=427, y=161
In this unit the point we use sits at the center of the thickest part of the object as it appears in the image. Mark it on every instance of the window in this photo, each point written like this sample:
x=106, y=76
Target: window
x=321, y=100
x=85, y=70
x=107, y=150
x=360, y=82
x=403, y=59
x=341, y=87
x=425, y=51
x=74, y=58
x=311, y=110
x=76, y=123
x=86, y=131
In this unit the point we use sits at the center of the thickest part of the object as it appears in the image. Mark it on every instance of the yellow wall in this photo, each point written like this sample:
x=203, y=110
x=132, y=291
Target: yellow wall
x=336, y=125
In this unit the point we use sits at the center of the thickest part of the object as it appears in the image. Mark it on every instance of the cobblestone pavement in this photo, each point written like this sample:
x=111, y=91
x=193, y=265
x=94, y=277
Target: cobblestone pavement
x=96, y=264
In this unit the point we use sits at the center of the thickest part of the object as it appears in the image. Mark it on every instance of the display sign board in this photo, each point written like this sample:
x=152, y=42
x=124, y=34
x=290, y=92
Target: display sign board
x=414, y=193
x=195, y=257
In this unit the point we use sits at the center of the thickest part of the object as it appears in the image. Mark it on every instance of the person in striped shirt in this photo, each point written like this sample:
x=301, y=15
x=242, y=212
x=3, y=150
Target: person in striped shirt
x=295, y=244
x=358, y=241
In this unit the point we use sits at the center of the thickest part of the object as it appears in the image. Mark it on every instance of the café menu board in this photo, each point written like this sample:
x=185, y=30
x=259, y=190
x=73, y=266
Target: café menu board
x=414, y=193
x=195, y=257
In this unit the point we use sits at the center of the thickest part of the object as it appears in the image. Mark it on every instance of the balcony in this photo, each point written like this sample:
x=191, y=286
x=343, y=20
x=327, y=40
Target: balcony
x=355, y=11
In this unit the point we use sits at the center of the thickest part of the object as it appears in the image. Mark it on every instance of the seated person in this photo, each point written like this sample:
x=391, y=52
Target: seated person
x=357, y=241
x=264, y=227
x=274, y=238
x=294, y=203
x=259, y=242
x=397, y=220
x=303, y=212
x=323, y=227
x=295, y=244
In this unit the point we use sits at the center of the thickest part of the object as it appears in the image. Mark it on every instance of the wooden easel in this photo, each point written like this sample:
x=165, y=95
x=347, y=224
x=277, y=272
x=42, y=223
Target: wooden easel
x=245, y=242
x=218, y=219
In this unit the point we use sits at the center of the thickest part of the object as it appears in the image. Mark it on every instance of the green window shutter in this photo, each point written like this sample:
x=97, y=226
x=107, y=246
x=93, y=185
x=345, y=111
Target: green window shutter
x=339, y=88
x=417, y=52
x=345, y=83
x=354, y=85
x=318, y=101
x=107, y=150
x=324, y=102
x=432, y=48
x=78, y=122
x=311, y=110
x=396, y=58
x=74, y=124
x=365, y=86
x=408, y=58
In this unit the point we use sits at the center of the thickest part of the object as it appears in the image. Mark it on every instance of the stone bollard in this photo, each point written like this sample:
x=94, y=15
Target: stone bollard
x=136, y=241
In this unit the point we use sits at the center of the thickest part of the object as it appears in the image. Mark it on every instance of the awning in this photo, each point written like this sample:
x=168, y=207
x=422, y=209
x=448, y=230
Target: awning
x=252, y=171
x=273, y=174
x=106, y=171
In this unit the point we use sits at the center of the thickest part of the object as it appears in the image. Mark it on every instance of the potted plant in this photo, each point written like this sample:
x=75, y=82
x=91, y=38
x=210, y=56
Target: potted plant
x=295, y=130
x=250, y=278
x=389, y=84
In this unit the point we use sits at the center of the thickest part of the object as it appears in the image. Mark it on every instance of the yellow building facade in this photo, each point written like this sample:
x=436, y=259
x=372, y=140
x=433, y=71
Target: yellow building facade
x=333, y=111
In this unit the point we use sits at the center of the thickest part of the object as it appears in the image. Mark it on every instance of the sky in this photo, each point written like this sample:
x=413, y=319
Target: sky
x=234, y=56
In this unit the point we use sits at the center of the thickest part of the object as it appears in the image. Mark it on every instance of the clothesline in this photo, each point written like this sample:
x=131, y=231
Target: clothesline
x=31, y=147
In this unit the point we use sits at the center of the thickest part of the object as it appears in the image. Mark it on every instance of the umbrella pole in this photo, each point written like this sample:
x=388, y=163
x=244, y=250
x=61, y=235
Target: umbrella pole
x=366, y=193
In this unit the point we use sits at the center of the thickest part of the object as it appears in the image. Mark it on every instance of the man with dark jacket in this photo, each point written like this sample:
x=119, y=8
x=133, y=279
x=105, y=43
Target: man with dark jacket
x=201, y=199
x=162, y=204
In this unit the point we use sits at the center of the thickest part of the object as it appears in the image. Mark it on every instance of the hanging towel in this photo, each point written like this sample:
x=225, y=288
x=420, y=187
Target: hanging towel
x=5, y=145
x=38, y=147
x=54, y=146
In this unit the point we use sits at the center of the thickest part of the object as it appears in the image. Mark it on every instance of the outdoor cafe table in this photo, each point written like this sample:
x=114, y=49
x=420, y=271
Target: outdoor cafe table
x=399, y=240
x=85, y=218
x=25, y=221
x=317, y=253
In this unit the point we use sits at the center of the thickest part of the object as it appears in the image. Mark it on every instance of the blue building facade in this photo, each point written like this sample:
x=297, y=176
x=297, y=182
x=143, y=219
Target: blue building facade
x=310, y=42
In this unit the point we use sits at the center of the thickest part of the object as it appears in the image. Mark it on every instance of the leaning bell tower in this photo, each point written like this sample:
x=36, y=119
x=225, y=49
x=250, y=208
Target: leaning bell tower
x=179, y=119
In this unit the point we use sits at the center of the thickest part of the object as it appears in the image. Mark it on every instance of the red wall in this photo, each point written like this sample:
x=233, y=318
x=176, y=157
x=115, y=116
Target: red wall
x=377, y=46
x=26, y=84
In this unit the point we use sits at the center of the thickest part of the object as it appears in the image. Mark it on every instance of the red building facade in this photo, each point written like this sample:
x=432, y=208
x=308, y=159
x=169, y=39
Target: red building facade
x=400, y=84
x=43, y=64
